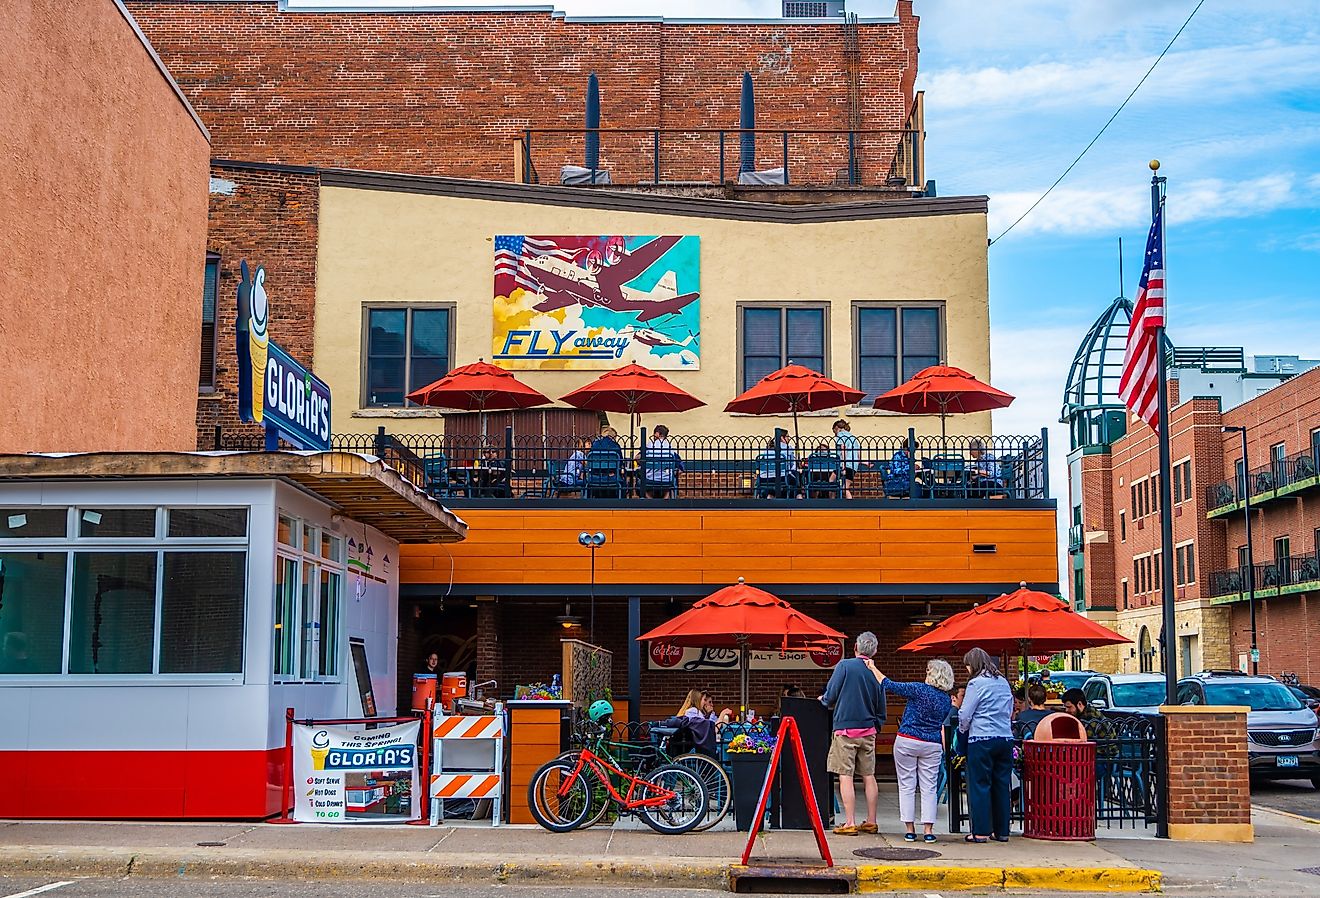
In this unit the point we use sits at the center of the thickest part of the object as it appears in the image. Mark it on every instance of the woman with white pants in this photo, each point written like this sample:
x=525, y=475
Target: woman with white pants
x=919, y=748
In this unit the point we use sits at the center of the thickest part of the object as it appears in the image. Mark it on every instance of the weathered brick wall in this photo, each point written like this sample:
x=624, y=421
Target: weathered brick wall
x=268, y=217
x=446, y=93
x=1209, y=783
x=1098, y=518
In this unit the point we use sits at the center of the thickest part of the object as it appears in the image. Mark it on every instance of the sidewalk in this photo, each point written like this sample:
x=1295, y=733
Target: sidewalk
x=520, y=854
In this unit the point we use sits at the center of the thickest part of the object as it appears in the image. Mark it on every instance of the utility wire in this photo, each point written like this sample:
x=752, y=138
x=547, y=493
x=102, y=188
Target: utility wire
x=1101, y=132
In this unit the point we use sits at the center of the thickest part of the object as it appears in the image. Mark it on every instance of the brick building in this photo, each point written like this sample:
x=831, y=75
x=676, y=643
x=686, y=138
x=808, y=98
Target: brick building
x=1114, y=540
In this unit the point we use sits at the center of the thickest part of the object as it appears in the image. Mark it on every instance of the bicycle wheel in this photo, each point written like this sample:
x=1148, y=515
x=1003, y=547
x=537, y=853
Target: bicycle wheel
x=719, y=789
x=559, y=813
x=601, y=801
x=684, y=810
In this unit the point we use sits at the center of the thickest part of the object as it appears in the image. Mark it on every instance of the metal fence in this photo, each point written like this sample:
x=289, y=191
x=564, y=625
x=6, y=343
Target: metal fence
x=1298, y=471
x=1280, y=573
x=1130, y=788
x=505, y=466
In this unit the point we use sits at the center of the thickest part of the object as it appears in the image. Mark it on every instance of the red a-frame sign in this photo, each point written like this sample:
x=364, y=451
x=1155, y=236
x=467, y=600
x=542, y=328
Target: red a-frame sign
x=788, y=732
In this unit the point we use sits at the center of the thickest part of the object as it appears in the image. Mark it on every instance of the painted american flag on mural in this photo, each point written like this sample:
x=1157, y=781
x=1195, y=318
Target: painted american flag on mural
x=1138, y=385
x=513, y=251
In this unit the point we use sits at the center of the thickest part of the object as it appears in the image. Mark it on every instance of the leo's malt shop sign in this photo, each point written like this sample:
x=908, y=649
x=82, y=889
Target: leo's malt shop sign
x=344, y=776
x=274, y=390
x=663, y=656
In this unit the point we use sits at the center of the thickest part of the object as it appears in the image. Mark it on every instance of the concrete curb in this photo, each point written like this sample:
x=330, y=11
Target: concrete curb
x=691, y=873
x=1300, y=818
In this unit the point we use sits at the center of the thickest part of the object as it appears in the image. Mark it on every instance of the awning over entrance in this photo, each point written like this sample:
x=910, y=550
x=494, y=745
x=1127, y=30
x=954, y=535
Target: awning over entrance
x=362, y=486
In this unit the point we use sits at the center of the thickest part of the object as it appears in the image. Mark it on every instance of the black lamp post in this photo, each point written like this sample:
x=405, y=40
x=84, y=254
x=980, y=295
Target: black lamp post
x=1250, y=579
x=592, y=541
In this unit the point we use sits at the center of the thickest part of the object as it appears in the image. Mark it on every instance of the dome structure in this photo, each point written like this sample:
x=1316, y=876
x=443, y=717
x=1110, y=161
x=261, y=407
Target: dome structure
x=1092, y=409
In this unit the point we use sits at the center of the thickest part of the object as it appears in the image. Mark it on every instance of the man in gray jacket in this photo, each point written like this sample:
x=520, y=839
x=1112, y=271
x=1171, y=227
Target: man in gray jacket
x=858, y=703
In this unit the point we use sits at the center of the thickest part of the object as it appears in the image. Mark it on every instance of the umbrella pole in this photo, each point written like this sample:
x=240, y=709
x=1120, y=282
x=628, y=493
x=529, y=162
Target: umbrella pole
x=744, y=666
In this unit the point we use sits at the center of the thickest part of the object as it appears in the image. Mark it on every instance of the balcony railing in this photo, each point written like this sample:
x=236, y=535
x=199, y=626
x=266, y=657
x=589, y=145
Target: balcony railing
x=1075, y=539
x=886, y=157
x=1279, y=478
x=1297, y=573
x=502, y=466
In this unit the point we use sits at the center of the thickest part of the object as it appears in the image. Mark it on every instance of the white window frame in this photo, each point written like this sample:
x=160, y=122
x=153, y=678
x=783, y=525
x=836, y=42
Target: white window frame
x=308, y=566
x=72, y=544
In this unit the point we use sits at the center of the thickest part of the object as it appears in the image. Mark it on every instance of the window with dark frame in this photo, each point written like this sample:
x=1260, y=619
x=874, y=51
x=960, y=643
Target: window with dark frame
x=1122, y=526
x=773, y=336
x=1187, y=479
x=406, y=348
x=892, y=344
x=1283, y=559
x=210, y=292
x=1125, y=593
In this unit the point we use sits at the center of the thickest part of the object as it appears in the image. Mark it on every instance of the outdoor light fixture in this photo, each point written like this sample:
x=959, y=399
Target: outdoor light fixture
x=568, y=620
x=928, y=619
x=592, y=541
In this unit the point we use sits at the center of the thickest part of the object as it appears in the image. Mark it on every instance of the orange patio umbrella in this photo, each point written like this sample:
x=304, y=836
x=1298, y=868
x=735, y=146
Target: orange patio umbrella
x=632, y=389
x=942, y=389
x=793, y=389
x=478, y=387
x=744, y=618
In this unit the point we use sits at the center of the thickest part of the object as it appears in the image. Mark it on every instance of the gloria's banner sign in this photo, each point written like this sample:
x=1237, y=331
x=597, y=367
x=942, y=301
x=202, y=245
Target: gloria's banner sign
x=691, y=660
x=343, y=776
x=597, y=302
x=274, y=390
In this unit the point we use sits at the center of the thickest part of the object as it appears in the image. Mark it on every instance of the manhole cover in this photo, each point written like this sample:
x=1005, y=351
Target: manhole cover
x=896, y=854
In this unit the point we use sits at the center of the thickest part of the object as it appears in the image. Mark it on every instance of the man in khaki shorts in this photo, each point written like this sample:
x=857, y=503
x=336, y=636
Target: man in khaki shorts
x=858, y=703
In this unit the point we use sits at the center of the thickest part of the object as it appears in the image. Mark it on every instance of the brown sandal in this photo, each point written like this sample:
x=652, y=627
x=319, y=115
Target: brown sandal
x=868, y=828
x=845, y=830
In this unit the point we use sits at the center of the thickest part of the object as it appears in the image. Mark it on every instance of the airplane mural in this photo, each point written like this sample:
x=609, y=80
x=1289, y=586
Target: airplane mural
x=597, y=301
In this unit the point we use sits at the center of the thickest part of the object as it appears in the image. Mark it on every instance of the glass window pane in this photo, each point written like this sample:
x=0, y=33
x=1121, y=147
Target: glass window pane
x=921, y=332
x=430, y=333
x=876, y=375
x=32, y=612
x=805, y=331
x=309, y=541
x=307, y=621
x=385, y=381
x=761, y=332
x=386, y=332
x=913, y=364
x=207, y=522
x=17, y=523
x=287, y=532
x=329, y=621
x=118, y=522
x=201, y=628
x=815, y=363
x=877, y=332
x=114, y=613
x=757, y=367
x=332, y=547
x=286, y=603
x=426, y=370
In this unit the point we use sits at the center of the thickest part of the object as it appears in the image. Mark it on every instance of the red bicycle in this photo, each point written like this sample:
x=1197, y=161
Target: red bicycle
x=669, y=799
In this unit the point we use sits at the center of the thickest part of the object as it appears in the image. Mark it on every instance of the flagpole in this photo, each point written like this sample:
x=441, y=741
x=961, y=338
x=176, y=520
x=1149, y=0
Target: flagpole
x=1169, y=630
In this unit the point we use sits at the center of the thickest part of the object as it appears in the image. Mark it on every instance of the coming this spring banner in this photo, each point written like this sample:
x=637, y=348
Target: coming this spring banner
x=597, y=302
x=346, y=776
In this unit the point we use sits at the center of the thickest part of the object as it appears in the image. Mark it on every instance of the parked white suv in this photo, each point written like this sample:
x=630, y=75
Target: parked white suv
x=1281, y=731
x=1134, y=693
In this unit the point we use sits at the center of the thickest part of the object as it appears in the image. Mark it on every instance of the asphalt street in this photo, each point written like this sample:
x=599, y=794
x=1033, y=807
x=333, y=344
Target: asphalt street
x=1292, y=796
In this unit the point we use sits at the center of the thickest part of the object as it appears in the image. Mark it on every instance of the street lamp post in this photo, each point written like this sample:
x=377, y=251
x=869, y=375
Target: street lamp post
x=592, y=541
x=1250, y=579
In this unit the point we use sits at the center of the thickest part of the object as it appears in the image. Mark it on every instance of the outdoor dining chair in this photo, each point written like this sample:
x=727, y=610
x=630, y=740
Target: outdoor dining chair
x=823, y=477
x=604, y=475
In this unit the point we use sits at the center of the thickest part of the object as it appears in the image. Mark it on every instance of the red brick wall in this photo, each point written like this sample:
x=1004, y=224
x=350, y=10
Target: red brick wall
x=1208, y=775
x=1097, y=515
x=268, y=217
x=445, y=93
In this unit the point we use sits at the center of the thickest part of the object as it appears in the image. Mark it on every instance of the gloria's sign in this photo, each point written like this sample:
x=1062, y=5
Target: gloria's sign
x=341, y=776
x=274, y=390
x=689, y=660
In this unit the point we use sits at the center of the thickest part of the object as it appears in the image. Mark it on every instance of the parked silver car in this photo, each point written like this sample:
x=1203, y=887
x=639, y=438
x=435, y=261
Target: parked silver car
x=1134, y=693
x=1281, y=731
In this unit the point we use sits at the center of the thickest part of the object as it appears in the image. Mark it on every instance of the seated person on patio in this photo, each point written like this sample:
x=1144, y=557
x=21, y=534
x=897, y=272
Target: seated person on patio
x=660, y=465
x=850, y=453
x=574, y=474
x=494, y=474
x=983, y=468
x=1098, y=727
x=697, y=715
x=819, y=473
x=608, y=441
x=776, y=470
x=1024, y=725
x=898, y=474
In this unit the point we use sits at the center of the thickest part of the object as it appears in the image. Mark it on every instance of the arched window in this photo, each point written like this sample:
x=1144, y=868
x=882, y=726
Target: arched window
x=1145, y=651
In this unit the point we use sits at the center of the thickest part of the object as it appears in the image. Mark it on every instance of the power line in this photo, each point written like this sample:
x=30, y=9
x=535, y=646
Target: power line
x=1101, y=132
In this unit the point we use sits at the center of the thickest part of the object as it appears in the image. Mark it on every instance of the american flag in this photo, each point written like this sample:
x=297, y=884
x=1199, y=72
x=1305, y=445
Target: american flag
x=1138, y=385
x=513, y=251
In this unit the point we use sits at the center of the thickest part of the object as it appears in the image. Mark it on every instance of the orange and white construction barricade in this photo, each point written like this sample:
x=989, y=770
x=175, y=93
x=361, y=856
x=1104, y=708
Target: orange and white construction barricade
x=468, y=762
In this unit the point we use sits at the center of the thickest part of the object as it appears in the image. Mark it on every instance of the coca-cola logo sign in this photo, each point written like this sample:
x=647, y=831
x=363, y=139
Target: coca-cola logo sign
x=665, y=655
x=829, y=656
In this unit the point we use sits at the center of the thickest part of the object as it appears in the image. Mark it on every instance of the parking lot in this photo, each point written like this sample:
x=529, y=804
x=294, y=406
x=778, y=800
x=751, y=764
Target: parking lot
x=1292, y=796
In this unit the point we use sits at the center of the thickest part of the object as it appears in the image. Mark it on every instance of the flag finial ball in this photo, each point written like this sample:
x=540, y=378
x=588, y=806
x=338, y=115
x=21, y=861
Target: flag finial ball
x=1023, y=584
x=742, y=580
x=1154, y=165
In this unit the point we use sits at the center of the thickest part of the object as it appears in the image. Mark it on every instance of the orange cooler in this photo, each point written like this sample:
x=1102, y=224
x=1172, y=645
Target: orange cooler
x=423, y=689
x=453, y=686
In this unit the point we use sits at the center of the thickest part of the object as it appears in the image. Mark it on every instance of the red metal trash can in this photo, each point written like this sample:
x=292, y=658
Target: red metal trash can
x=1058, y=790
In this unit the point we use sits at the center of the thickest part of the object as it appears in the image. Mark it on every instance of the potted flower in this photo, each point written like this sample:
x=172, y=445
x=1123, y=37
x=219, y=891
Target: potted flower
x=749, y=761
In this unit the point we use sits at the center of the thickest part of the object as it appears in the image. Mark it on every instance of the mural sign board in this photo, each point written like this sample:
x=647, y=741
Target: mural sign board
x=597, y=302
x=346, y=776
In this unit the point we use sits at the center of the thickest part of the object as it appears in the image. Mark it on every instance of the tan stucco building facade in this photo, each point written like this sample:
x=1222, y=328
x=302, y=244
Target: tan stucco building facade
x=388, y=240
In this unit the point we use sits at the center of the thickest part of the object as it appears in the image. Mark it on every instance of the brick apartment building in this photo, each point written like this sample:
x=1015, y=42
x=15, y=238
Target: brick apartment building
x=1114, y=538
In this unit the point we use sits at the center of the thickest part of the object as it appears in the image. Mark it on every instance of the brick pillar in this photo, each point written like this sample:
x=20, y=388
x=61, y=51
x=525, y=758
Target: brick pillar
x=1209, y=794
x=490, y=654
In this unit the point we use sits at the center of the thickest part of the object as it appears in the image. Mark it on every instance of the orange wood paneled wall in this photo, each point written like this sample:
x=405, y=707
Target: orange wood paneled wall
x=693, y=546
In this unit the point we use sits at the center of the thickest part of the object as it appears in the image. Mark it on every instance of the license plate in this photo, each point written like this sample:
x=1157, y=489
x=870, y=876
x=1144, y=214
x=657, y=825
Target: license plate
x=1286, y=761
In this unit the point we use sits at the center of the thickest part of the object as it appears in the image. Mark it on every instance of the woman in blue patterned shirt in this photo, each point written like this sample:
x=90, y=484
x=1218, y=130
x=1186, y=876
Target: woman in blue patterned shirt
x=919, y=747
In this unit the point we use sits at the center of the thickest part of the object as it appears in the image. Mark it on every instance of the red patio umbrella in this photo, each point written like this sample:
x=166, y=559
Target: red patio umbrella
x=942, y=389
x=743, y=617
x=478, y=387
x=793, y=389
x=1020, y=622
x=635, y=390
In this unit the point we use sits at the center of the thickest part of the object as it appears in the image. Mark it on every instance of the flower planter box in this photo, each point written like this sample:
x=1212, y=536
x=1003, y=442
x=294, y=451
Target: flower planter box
x=747, y=771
